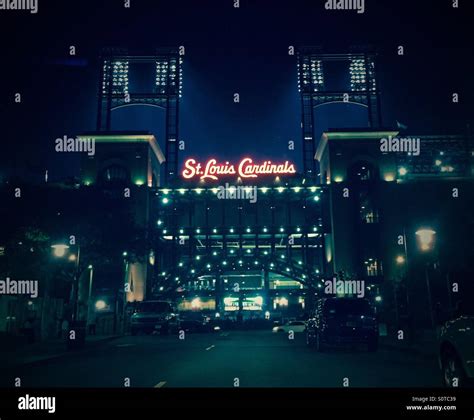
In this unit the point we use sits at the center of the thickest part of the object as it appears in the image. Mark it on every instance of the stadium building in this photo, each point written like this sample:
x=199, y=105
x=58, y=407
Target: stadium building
x=260, y=237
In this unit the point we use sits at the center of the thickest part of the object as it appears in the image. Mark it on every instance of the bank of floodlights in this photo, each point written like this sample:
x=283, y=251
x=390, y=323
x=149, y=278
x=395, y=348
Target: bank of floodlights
x=119, y=79
x=169, y=76
x=311, y=75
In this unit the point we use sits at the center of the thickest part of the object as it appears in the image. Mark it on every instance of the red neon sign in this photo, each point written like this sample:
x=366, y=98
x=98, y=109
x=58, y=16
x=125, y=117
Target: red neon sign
x=245, y=169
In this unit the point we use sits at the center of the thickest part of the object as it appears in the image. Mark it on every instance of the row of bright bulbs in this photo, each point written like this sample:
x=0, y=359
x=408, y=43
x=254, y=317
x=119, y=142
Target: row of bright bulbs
x=241, y=263
x=232, y=189
x=166, y=200
x=232, y=230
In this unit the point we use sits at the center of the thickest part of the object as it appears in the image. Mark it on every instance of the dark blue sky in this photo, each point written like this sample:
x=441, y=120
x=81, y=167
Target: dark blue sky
x=228, y=50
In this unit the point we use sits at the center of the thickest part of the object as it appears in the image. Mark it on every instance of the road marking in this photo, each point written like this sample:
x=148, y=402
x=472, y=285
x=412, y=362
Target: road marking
x=160, y=384
x=125, y=345
x=210, y=347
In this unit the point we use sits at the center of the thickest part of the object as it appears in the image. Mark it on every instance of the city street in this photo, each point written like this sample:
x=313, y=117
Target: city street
x=255, y=358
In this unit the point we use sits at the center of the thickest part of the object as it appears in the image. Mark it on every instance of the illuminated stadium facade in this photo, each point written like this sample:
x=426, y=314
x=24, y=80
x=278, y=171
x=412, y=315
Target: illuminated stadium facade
x=259, y=237
x=239, y=251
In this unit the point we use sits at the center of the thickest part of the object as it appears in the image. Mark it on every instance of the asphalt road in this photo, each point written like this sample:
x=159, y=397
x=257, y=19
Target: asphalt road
x=225, y=359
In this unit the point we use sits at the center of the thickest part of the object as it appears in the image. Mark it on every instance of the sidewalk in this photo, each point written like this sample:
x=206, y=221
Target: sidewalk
x=23, y=353
x=425, y=344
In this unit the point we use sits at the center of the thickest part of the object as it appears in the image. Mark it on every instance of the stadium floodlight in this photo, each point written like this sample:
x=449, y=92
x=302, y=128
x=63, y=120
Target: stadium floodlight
x=310, y=74
x=358, y=73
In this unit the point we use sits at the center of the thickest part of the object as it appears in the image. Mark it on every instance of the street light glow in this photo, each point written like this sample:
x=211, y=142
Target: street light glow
x=402, y=171
x=59, y=250
x=400, y=259
x=425, y=238
x=100, y=305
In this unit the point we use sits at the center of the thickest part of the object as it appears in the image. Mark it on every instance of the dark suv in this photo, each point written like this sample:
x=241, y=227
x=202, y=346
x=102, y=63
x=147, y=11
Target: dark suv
x=342, y=321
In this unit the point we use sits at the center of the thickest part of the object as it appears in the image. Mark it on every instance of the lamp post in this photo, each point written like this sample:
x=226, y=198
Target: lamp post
x=89, y=299
x=125, y=288
x=400, y=260
x=59, y=251
x=426, y=239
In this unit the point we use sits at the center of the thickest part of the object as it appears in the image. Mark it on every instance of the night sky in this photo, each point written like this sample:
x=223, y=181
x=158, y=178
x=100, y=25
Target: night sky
x=228, y=51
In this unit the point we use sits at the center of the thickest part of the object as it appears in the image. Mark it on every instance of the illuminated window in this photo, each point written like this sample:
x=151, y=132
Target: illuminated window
x=373, y=268
x=367, y=210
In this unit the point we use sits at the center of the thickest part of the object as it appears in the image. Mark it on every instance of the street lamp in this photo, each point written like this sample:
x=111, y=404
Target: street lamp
x=100, y=305
x=59, y=250
x=426, y=239
x=89, y=299
x=402, y=171
x=124, y=290
x=400, y=260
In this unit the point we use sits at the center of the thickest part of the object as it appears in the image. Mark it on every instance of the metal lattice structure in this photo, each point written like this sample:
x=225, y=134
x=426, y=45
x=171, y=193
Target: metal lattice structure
x=115, y=92
x=361, y=89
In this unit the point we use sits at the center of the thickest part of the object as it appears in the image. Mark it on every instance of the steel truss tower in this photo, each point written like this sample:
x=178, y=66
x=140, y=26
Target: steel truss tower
x=361, y=89
x=115, y=92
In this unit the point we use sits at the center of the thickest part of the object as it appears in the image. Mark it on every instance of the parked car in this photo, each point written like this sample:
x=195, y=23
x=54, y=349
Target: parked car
x=154, y=315
x=338, y=321
x=295, y=326
x=456, y=347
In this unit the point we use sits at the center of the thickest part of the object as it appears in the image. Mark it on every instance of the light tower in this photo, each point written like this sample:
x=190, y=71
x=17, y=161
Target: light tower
x=115, y=92
x=359, y=87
